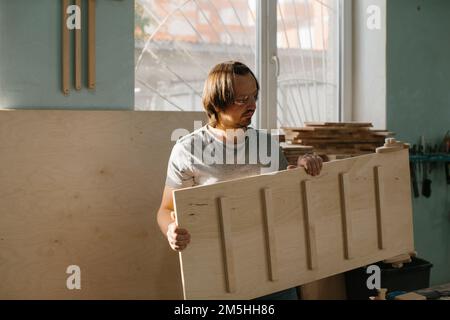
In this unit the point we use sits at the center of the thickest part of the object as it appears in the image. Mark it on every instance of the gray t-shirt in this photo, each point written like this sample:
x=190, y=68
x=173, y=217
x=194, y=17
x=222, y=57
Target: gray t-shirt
x=202, y=158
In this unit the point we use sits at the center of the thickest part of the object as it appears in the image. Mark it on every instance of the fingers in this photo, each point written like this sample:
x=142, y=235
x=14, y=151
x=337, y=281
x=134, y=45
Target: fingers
x=178, y=238
x=179, y=245
x=182, y=237
x=318, y=165
x=312, y=164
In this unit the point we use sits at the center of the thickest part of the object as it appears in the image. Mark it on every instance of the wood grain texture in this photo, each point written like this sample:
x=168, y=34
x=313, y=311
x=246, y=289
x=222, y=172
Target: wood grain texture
x=197, y=212
x=331, y=288
x=83, y=188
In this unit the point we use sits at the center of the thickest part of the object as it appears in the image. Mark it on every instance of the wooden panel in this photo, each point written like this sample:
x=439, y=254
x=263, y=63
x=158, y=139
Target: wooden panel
x=332, y=288
x=83, y=188
x=380, y=202
x=227, y=244
x=92, y=49
x=270, y=234
x=346, y=215
x=310, y=229
x=303, y=224
x=78, y=52
x=65, y=49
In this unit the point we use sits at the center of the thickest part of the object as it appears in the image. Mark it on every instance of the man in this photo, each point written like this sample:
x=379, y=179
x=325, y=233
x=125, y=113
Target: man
x=229, y=98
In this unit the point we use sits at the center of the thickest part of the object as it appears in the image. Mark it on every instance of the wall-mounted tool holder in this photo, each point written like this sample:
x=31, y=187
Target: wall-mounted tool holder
x=424, y=159
x=437, y=158
x=446, y=147
x=70, y=8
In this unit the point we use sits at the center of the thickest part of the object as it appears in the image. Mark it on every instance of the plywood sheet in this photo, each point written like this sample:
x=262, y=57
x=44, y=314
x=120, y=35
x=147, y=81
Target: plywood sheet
x=259, y=235
x=83, y=188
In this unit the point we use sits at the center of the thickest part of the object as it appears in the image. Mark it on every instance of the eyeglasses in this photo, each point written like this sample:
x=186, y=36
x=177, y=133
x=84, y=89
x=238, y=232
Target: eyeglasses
x=245, y=101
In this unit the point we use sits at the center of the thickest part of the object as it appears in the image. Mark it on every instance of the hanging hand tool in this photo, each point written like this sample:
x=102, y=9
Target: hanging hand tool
x=447, y=172
x=446, y=148
x=420, y=161
x=426, y=183
x=412, y=166
x=433, y=154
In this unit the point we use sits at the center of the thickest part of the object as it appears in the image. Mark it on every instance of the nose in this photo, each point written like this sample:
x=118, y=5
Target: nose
x=251, y=103
x=251, y=107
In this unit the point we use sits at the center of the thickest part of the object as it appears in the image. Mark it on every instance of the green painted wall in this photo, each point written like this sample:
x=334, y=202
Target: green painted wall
x=30, y=76
x=418, y=103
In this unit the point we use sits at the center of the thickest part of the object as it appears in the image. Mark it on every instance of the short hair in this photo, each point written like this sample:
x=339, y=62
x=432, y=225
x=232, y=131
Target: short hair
x=218, y=92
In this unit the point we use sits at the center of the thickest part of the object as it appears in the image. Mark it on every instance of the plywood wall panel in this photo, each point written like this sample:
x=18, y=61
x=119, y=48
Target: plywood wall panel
x=83, y=188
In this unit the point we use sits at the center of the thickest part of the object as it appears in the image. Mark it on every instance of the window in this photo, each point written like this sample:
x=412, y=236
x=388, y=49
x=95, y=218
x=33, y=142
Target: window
x=308, y=51
x=178, y=41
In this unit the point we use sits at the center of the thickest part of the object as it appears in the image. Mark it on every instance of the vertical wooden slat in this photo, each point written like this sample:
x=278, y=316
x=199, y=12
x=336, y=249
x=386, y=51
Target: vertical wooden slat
x=310, y=230
x=270, y=234
x=65, y=49
x=344, y=185
x=91, y=45
x=227, y=244
x=380, y=206
x=78, y=52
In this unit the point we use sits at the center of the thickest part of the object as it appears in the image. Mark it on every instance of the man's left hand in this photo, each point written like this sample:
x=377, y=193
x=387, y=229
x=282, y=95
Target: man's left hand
x=312, y=164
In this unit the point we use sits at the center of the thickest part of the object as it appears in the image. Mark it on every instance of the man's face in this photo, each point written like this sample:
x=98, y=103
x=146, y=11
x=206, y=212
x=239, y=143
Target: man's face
x=239, y=114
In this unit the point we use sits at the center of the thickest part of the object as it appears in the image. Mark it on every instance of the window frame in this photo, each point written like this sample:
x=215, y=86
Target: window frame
x=267, y=63
x=346, y=61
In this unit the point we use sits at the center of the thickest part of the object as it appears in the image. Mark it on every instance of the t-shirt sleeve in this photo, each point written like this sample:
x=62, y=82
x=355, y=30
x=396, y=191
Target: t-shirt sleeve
x=179, y=169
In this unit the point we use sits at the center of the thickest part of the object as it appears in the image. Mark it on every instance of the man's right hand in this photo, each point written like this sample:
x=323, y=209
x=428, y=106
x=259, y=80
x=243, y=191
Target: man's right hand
x=178, y=238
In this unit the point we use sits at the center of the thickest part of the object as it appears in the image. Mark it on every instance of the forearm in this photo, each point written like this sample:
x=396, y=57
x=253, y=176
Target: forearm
x=164, y=219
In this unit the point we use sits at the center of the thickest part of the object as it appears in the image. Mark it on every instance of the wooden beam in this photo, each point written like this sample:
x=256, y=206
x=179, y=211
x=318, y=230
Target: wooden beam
x=78, y=52
x=65, y=47
x=380, y=206
x=344, y=185
x=310, y=229
x=269, y=225
x=227, y=244
x=91, y=45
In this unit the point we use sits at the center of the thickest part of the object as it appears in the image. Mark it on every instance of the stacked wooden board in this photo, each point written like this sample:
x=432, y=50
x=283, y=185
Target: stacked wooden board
x=338, y=139
x=292, y=152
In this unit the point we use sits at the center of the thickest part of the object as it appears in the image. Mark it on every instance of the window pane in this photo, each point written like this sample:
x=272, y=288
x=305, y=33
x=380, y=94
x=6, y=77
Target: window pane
x=308, y=49
x=178, y=41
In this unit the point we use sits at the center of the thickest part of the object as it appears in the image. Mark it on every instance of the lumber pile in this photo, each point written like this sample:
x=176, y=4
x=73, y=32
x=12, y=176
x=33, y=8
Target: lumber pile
x=338, y=140
x=292, y=152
